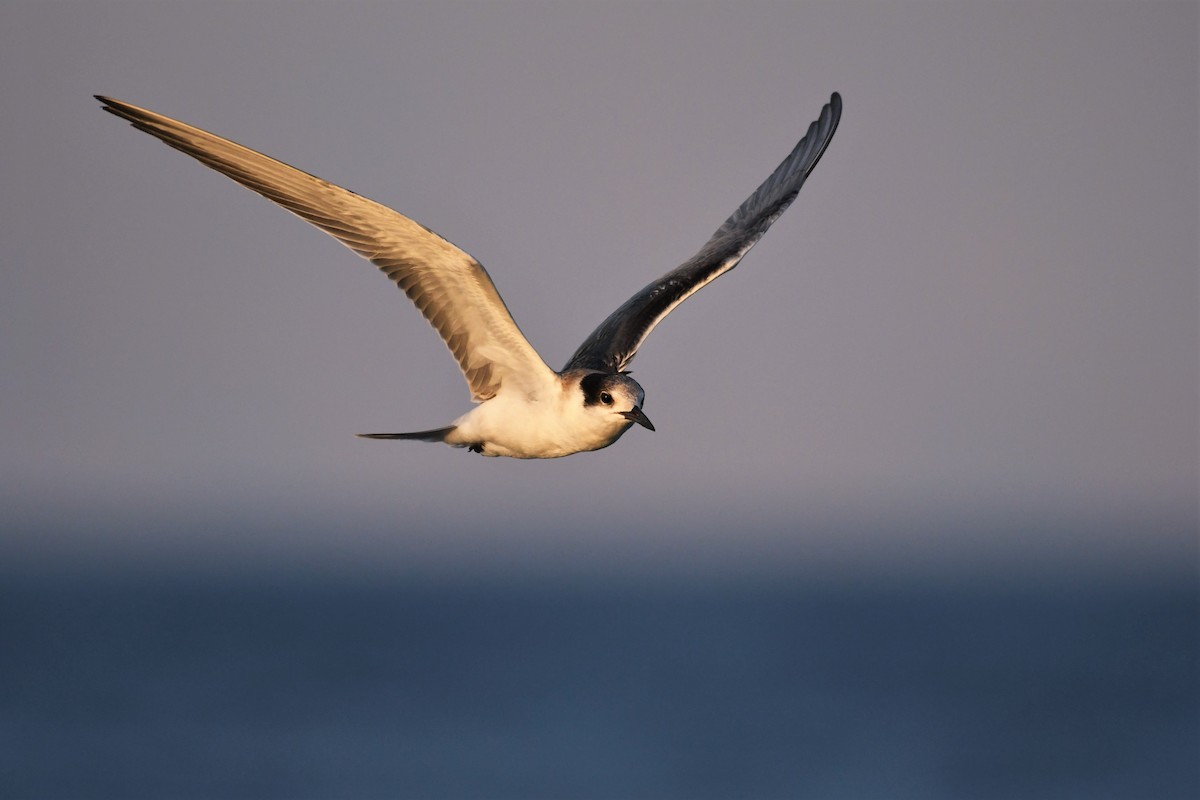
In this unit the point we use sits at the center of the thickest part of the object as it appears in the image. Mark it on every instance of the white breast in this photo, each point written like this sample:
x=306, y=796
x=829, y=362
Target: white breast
x=548, y=425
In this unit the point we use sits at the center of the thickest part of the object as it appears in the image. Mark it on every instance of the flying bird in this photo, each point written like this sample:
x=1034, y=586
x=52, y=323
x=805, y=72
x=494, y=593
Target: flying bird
x=525, y=409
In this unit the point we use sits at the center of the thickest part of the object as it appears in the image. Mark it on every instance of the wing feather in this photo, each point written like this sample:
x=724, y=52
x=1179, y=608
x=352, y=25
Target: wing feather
x=615, y=342
x=449, y=287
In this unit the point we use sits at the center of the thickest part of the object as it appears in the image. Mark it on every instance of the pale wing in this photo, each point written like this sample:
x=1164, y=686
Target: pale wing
x=450, y=288
x=613, y=345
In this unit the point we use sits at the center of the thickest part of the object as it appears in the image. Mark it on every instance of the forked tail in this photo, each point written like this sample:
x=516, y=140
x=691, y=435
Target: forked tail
x=437, y=435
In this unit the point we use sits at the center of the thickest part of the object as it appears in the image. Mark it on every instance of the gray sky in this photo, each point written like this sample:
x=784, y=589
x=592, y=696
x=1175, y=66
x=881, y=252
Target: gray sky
x=970, y=344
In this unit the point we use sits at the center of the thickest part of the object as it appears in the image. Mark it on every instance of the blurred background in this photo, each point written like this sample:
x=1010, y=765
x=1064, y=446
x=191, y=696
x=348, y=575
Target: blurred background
x=920, y=515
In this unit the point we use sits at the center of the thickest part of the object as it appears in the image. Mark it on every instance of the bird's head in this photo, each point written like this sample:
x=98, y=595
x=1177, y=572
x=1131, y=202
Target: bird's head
x=609, y=396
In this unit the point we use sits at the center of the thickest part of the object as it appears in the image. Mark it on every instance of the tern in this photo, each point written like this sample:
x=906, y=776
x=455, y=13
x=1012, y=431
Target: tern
x=525, y=409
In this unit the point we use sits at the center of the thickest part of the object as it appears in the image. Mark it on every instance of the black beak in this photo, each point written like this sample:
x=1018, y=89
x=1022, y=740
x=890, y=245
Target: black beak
x=638, y=416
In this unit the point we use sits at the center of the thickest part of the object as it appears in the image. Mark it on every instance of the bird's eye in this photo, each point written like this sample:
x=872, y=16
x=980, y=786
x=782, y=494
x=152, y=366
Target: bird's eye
x=606, y=398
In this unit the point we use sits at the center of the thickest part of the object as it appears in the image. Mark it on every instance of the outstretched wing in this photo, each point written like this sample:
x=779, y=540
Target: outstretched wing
x=613, y=345
x=450, y=288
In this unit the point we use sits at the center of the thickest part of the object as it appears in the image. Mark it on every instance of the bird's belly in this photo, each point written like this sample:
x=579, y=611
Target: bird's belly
x=529, y=430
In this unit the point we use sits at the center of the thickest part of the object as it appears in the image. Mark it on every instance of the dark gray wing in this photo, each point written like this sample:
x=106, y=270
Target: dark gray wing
x=613, y=345
x=452, y=290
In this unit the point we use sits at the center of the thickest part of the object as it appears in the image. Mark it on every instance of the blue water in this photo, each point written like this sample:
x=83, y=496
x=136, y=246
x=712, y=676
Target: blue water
x=290, y=688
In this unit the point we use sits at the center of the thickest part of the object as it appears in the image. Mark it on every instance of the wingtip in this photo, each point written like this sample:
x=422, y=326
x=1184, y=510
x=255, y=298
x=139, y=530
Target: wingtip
x=835, y=104
x=121, y=109
x=110, y=105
